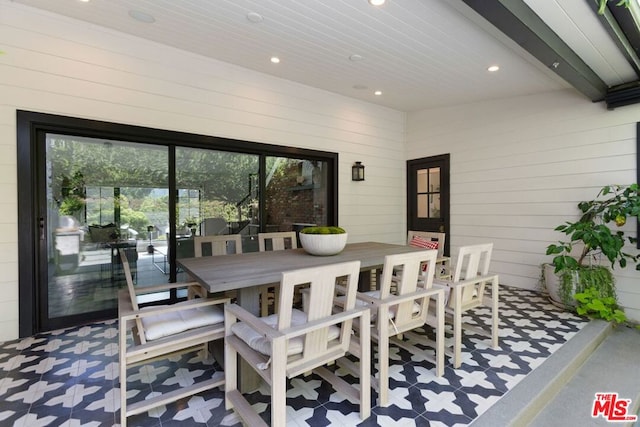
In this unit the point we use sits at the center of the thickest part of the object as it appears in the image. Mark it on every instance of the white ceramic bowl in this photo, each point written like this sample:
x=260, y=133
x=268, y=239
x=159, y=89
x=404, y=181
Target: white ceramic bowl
x=323, y=244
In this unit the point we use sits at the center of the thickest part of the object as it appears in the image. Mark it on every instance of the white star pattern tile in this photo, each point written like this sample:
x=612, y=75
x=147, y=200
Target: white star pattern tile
x=70, y=377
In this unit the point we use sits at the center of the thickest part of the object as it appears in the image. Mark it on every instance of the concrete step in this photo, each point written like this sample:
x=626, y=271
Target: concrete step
x=561, y=391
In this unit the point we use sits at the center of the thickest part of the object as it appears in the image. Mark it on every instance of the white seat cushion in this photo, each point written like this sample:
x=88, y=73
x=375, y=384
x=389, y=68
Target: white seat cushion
x=259, y=343
x=166, y=324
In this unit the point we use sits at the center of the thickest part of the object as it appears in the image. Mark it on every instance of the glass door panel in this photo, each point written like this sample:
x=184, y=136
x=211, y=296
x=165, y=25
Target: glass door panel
x=296, y=194
x=217, y=193
x=102, y=197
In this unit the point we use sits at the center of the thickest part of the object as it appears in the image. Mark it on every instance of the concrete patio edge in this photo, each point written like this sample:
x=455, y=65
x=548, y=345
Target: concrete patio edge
x=520, y=405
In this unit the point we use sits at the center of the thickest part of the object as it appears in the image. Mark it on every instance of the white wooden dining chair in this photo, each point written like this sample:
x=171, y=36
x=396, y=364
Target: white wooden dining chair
x=293, y=342
x=275, y=241
x=213, y=246
x=158, y=332
x=466, y=291
x=432, y=240
x=404, y=307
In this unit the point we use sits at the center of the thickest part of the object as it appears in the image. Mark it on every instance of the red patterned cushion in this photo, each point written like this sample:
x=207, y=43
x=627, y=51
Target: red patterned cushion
x=421, y=242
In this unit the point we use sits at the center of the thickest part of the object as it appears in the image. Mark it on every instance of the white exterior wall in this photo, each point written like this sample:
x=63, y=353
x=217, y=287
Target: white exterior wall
x=57, y=65
x=520, y=166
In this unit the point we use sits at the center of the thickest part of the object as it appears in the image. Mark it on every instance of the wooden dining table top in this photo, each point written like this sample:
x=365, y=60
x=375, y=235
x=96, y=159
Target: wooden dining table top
x=229, y=272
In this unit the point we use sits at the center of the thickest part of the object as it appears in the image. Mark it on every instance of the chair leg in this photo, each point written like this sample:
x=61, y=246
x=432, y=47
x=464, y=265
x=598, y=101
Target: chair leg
x=278, y=384
x=440, y=334
x=365, y=365
x=383, y=358
x=230, y=373
x=495, y=318
x=457, y=328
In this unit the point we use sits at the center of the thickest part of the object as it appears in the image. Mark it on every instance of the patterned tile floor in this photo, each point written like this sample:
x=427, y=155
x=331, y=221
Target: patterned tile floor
x=70, y=378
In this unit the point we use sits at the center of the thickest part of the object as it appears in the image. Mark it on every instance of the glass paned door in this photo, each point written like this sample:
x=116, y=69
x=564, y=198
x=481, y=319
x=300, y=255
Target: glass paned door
x=102, y=197
x=428, y=195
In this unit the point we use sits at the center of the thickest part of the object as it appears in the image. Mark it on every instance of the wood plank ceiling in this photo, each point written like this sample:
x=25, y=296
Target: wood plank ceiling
x=420, y=54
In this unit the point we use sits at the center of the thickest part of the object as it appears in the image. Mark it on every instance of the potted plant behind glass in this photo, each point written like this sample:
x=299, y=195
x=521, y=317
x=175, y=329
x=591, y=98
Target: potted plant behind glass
x=583, y=277
x=323, y=240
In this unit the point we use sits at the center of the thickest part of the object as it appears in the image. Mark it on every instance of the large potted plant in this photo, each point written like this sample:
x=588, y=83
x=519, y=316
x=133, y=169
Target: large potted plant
x=596, y=236
x=323, y=240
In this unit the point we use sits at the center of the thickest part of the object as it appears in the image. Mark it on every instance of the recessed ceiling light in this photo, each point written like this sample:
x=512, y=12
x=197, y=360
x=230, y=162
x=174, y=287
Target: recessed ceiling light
x=254, y=17
x=377, y=93
x=142, y=16
x=355, y=57
x=275, y=59
x=493, y=68
x=84, y=1
x=376, y=2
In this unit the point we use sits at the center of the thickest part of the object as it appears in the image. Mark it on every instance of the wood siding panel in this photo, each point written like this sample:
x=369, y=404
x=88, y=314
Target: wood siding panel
x=519, y=167
x=57, y=65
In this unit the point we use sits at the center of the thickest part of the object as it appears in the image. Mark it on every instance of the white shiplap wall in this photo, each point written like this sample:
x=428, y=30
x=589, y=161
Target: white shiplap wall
x=519, y=167
x=60, y=66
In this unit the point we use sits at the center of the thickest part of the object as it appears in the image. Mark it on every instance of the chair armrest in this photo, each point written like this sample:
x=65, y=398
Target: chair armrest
x=295, y=331
x=159, y=309
x=367, y=298
x=252, y=320
x=473, y=281
x=164, y=287
x=397, y=299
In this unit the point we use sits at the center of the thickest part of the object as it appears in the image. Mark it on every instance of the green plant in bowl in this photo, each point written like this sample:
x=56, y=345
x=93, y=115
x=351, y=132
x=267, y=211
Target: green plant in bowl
x=323, y=230
x=323, y=240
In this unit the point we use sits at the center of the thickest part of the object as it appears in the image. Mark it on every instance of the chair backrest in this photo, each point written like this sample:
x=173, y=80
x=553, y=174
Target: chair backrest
x=332, y=288
x=430, y=236
x=472, y=261
x=278, y=240
x=406, y=283
x=220, y=245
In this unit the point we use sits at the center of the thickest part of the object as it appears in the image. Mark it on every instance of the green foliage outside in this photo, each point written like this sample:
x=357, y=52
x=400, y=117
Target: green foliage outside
x=222, y=180
x=597, y=232
x=603, y=4
x=592, y=304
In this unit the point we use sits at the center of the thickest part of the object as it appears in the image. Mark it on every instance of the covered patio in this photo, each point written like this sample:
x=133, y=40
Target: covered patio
x=71, y=376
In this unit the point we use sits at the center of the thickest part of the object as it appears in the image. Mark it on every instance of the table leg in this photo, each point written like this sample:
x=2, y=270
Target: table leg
x=249, y=299
x=364, y=281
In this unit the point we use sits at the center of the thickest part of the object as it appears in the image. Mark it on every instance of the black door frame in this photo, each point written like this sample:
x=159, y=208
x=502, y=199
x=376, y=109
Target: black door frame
x=443, y=162
x=31, y=128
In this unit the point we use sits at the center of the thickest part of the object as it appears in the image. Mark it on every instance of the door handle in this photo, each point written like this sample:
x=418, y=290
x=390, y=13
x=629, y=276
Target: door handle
x=41, y=228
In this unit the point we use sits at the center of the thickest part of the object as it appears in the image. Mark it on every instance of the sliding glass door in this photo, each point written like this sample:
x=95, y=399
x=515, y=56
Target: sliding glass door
x=88, y=190
x=102, y=198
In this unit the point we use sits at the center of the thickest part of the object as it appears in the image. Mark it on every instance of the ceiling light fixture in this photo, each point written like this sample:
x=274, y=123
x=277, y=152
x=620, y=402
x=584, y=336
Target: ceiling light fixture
x=493, y=68
x=142, y=16
x=376, y=2
x=254, y=17
x=355, y=57
x=275, y=59
x=377, y=93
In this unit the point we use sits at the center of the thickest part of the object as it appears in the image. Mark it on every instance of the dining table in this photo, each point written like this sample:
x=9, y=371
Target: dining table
x=246, y=273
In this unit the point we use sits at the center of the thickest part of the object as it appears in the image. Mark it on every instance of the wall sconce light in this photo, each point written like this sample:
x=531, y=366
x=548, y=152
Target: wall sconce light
x=357, y=172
